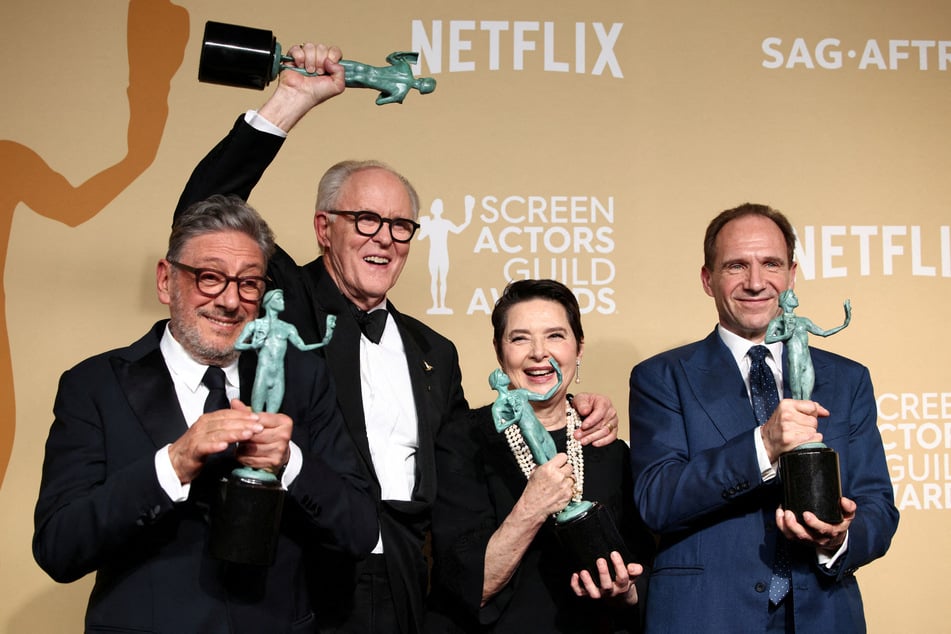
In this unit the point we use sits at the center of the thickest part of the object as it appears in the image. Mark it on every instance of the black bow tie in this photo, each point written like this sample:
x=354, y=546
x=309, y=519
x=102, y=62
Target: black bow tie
x=371, y=323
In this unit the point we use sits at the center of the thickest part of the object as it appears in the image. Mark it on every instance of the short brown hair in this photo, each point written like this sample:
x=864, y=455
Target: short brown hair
x=746, y=209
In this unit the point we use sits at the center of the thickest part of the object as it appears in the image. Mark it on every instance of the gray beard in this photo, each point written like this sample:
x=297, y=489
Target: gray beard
x=206, y=355
x=190, y=339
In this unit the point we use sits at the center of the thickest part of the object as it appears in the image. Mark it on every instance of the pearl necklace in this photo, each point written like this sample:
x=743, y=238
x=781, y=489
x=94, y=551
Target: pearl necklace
x=523, y=455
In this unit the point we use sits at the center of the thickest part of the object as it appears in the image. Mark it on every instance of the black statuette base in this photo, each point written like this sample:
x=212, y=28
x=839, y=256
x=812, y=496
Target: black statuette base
x=246, y=520
x=237, y=56
x=591, y=536
x=811, y=483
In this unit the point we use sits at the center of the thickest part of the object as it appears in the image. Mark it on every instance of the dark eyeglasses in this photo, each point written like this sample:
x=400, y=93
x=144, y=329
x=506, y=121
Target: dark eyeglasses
x=368, y=223
x=212, y=283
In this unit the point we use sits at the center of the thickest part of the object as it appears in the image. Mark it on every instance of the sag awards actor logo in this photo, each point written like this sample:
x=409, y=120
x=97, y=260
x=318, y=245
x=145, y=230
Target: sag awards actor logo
x=436, y=230
x=566, y=238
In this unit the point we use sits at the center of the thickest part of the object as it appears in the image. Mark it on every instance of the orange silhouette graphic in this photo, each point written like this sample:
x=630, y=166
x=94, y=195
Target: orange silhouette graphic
x=156, y=36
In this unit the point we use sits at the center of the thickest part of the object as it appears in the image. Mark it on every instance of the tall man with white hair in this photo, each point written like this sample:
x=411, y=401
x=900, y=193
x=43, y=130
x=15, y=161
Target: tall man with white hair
x=398, y=381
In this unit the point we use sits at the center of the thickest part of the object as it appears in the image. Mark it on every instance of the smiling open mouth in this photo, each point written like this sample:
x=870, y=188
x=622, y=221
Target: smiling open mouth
x=541, y=372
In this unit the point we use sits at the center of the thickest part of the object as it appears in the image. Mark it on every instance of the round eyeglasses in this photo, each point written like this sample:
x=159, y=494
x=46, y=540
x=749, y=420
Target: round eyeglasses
x=212, y=283
x=368, y=223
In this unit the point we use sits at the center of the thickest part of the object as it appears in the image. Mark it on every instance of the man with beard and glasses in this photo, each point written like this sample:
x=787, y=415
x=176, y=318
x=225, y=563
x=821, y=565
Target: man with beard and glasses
x=139, y=443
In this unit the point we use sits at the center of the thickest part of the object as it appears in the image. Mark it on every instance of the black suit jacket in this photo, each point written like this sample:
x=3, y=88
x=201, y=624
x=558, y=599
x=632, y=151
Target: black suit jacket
x=234, y=166
x=101, y=507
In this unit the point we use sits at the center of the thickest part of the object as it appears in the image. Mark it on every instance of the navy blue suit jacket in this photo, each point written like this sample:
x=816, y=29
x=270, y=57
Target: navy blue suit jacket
x=101, y=507
x=697, y=484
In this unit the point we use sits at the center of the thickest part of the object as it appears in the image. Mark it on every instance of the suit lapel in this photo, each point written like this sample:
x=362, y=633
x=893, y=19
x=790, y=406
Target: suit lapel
x=343, y=358
x=421, y=374
x=718, y=387
x=147, y=385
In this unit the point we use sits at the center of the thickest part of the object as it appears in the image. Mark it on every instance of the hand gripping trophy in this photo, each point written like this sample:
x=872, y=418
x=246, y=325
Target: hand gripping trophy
x=251, y=58
x=810, y=472
x=585, y=528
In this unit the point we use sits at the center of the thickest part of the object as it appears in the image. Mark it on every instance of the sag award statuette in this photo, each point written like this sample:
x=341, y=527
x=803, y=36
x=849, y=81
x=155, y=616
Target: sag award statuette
x=584, y=528
x=810, y=472
x=251, y=58
x=246, y=516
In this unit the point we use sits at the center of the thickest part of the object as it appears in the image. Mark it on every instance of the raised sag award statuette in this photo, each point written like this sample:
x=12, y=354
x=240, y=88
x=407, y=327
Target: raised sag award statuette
x=245, y=57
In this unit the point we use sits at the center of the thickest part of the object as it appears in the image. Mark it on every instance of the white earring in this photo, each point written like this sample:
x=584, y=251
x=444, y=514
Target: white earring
x=578, y=371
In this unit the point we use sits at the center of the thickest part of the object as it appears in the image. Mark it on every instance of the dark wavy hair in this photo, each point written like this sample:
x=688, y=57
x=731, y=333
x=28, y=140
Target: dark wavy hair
x=219, y=213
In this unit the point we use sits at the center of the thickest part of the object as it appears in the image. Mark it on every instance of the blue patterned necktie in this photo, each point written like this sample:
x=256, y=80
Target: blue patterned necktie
x=765, y=399
x=763, y=392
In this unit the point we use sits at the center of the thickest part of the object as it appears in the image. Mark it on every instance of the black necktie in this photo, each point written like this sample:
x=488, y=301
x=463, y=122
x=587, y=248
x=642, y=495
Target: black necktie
x=214, y=380
x=765, y=399
x=763, y=393
x=371, y=324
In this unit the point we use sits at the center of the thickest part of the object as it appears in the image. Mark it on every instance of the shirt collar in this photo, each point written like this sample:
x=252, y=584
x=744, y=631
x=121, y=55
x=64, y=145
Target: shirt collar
x=183, y=366
x=739, y=346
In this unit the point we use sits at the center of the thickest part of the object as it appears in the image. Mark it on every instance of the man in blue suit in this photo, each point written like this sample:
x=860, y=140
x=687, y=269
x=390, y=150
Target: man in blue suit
x=705, y=471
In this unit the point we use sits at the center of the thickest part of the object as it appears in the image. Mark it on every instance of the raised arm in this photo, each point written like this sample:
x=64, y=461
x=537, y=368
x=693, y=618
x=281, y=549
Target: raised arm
x=236, y=164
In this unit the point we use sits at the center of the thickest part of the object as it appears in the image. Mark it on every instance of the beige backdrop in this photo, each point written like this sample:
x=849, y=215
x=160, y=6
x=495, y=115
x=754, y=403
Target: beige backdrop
x=597, y=141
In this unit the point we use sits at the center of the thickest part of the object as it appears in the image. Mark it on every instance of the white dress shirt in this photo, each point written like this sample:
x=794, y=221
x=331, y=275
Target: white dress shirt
x=187, y=375
x=390, y=414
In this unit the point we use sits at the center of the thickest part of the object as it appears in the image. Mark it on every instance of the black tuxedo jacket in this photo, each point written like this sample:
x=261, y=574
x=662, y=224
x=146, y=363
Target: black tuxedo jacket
x=101, y=507
x=234, y=166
